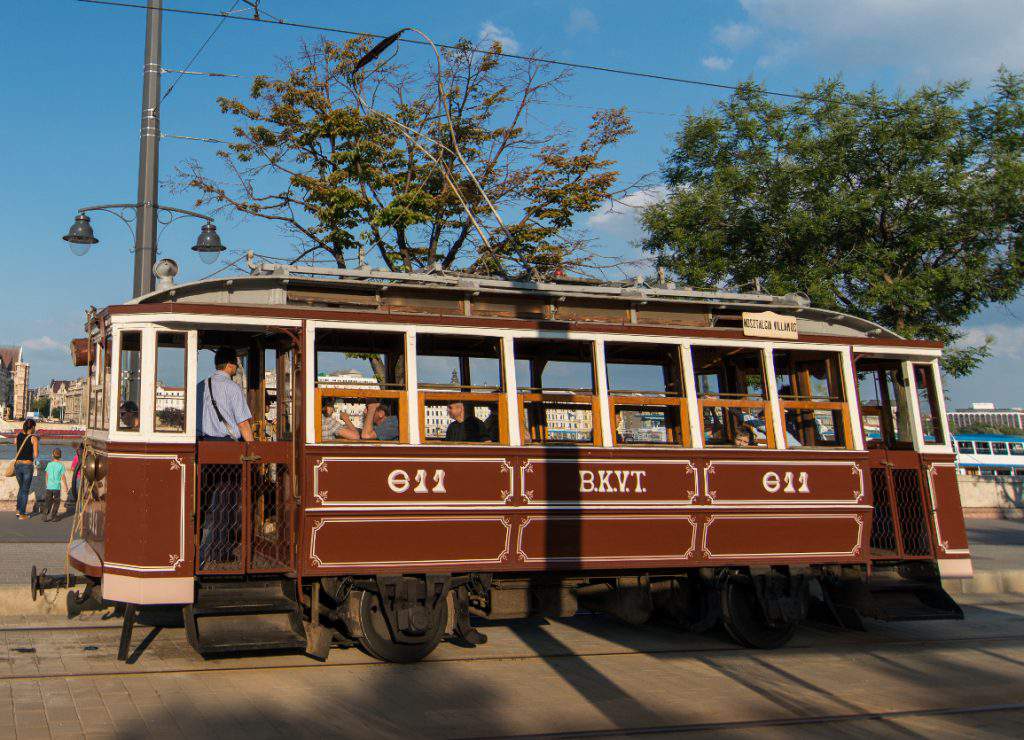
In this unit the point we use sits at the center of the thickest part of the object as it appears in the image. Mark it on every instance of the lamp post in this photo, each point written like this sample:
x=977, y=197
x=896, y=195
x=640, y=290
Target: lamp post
x=81, y=237
x=146, y=210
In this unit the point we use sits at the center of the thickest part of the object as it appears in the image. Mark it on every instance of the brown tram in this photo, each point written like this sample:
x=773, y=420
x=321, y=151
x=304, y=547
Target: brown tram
x=631, y=448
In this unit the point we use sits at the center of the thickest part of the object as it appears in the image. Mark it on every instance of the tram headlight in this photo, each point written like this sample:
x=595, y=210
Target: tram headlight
x=94, y=467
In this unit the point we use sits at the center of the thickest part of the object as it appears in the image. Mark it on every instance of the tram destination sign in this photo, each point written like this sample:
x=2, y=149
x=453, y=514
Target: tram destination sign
x=769, y=324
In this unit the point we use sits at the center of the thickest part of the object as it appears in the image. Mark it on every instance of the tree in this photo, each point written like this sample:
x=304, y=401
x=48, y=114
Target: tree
x=357, y=162
x=902, y=210
x=42, y=405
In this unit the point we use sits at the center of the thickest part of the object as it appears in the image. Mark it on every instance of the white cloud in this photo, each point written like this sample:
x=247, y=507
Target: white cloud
x=489, y=32
x=621, y=218
x=580, y=20
x=44, y=344
x=1009, y=339
x=719, y=64
x=939, y=39
x=735, y=35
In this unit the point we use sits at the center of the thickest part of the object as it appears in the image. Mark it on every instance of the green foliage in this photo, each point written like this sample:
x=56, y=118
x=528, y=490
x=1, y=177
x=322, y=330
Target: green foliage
x=319, y=152
x=903, y=210
x=987, y=429
x=42, y=405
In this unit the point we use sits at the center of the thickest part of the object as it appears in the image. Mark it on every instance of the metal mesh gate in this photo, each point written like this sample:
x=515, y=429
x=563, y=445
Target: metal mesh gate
x=911, y=512
x=899, y=526
x=271, y=537
x=220, y=535
x=883, y=529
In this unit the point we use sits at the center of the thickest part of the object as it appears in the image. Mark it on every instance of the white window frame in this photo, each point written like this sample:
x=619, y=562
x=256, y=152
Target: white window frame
x=919, y=442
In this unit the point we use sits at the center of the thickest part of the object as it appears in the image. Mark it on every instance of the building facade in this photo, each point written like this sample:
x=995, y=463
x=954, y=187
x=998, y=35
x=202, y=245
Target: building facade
x=14, y=391
x=987, y=414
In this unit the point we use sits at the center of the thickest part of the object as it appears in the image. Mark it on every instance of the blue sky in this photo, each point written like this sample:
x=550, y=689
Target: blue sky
x=71, y=93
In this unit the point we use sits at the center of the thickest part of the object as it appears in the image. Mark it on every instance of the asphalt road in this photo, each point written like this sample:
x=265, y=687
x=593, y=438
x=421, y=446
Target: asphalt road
x=582, y=677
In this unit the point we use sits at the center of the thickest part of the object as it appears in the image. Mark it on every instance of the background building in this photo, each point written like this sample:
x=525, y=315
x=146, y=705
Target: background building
x=986, y=414
x=13, y=383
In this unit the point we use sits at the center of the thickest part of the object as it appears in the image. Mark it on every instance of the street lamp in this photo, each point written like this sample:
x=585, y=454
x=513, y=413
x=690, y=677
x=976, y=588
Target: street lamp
x=80, y=236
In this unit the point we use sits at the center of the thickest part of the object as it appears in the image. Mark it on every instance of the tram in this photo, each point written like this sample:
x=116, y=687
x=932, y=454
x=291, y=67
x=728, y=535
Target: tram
x=431, y=449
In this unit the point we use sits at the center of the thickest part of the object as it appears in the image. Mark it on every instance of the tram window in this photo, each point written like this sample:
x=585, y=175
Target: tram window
x=999, y=448
x=645, y=394
x=460, y=386
x=360, y=386
x=169, y=403
x=884, y=404
x=1016, y=448
x=928, y=404
x=99, y=380
x=557, y=403
x=129, y=386
x=965, y=447
x=810, y=390
x=983, y=448
x=732, y=397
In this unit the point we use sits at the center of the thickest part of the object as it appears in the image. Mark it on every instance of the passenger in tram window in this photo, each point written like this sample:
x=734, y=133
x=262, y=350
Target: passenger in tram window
x=463, y=428
x=745, y=437
x=129, y=416
x=491, y=431
x=331, y=425
x=378, y=423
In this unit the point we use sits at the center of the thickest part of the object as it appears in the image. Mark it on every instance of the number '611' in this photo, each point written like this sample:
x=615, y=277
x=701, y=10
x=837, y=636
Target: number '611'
x=787, y=483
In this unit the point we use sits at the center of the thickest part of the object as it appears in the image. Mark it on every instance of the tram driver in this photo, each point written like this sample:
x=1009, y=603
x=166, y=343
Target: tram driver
x=225, y=414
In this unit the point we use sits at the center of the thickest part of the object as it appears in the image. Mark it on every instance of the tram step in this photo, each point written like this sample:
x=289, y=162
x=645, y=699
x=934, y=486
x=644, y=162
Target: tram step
x=910, y=602
x=230, y=618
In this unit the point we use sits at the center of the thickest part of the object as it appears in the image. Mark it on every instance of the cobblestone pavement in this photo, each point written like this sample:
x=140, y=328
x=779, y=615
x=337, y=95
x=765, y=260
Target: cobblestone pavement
x=583, y=675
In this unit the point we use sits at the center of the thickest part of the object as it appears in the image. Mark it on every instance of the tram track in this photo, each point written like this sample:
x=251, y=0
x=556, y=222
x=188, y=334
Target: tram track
x=758, y=724
x=372, y=662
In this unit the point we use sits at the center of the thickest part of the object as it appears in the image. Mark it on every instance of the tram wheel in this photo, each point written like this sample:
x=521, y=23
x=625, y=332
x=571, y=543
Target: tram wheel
x=745, y=621
x=377, y=640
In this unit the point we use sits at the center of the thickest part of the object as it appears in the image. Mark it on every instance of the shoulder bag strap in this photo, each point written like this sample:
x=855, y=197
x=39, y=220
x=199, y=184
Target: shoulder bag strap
x=209, y=390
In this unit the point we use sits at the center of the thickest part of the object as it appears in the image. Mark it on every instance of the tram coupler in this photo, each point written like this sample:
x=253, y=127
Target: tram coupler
x=41, y=581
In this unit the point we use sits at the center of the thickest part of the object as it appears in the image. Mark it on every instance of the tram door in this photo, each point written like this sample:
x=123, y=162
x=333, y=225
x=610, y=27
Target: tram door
x=246, y=499
x=899, y=528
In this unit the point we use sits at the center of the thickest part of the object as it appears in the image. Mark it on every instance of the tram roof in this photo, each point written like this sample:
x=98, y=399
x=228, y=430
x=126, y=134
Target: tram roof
x=301, y=286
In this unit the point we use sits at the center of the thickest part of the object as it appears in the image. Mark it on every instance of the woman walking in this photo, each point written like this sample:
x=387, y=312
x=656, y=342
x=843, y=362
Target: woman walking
x=24, y=463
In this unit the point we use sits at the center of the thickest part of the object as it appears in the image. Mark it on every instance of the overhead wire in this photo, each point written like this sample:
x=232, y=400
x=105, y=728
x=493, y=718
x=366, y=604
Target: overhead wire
x=508, y=55
x=202, y=46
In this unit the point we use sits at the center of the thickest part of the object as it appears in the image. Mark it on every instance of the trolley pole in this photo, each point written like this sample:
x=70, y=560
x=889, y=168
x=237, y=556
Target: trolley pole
x=149, y=155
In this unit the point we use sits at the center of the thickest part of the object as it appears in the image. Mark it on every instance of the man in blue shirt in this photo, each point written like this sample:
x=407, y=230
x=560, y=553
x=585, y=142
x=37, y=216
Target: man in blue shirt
x=223, y=412
x=223, y=416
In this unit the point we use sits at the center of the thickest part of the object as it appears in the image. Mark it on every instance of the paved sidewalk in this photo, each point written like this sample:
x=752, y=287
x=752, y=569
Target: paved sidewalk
x=534, y=676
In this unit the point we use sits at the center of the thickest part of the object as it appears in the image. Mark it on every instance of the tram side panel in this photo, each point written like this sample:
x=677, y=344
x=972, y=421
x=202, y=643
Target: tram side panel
x=149, y=544
x=947, y=517
x=527, y=509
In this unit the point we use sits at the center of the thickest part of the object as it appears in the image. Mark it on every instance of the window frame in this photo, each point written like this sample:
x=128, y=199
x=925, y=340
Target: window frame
x=189, y=386
x=678, y=400
x=438, y=392
x=769, y=404
x=937, y=401
x=843, y=405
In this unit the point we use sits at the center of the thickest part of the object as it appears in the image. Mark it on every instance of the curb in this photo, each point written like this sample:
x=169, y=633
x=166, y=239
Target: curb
x=987, y=582
x=16, y=600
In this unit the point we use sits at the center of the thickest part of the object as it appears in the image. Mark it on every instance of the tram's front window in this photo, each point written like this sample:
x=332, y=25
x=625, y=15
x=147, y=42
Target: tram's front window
x=460, y=386
x=360, y=386
x=811, y=395
x=171, y=388
x=129, y=386
x=557, y=403
x=884, y=404
x=733, y=397
x=645, y=393
x=928, y=404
